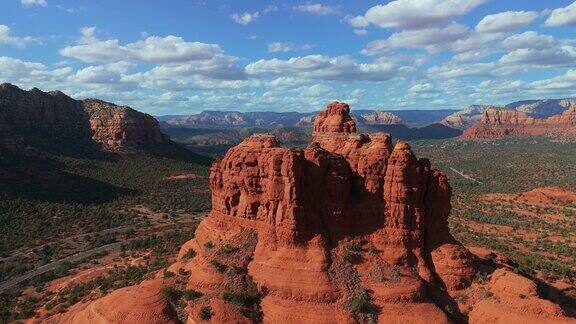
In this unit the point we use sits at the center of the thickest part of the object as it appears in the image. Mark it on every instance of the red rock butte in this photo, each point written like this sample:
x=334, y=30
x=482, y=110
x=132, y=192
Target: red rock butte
x=350, y=229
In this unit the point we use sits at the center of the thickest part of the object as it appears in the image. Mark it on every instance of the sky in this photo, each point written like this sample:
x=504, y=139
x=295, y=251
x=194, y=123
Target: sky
x=187, y=56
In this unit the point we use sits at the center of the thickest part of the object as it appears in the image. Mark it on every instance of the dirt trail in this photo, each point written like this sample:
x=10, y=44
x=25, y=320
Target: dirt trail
x=465, y=176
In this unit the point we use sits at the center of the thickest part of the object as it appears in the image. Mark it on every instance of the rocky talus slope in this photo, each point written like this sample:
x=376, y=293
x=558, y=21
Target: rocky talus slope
x=350, y=229
x=500, y=123
x=78, y=122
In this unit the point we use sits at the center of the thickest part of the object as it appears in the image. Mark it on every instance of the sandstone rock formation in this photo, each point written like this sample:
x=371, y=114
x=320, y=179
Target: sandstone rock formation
x=119, y=126
x=335, y=119
x=499, y=123
x=350, y=229
x=86, y=122
x=137, y=304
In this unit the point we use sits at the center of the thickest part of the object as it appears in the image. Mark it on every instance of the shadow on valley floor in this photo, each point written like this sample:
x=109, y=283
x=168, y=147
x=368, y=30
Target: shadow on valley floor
x=44, y=180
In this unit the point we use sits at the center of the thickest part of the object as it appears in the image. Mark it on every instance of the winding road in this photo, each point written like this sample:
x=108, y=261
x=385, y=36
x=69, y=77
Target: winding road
x=159, y=229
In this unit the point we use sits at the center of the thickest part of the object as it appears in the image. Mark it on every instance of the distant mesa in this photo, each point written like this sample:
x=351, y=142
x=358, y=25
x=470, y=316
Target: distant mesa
x=501, y=123
x=538, y=109
x=350, y=229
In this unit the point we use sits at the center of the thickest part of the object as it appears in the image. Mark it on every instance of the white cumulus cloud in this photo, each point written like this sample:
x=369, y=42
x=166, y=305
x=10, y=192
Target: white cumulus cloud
x=506, y=21
x=152, y=49
x=432, y=39
x=8, y=39
x=562, y=16
x=320, y=67
x=414, y=14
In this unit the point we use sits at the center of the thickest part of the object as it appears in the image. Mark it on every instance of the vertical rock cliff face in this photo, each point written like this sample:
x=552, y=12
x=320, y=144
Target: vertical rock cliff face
x=118, y=126
x=80, y=123
x=499, y=123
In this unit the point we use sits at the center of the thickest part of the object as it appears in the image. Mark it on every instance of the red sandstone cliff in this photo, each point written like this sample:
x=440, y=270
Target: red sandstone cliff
x=499, y=123
x=350, y=229
x=56, y=115
x=119, y=126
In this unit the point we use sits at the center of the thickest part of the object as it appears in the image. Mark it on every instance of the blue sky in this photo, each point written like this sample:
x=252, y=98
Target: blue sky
x=185, y=56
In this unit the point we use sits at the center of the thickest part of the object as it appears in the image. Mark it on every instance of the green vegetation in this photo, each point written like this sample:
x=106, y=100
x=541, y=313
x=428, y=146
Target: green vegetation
x=351, y=251
x=360, y=304
x=90, y=195
x=247, y=302
x=227, y=249
x=192, y=294
x=189, y=255
x=219, y=266
x=206, y=313
x=510, y=166
x=215, y=142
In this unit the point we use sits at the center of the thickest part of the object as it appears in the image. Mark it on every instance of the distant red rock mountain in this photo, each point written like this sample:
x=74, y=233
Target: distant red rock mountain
x=539, y=109
x=353, y=228
x=500, y=123
x=54, y=115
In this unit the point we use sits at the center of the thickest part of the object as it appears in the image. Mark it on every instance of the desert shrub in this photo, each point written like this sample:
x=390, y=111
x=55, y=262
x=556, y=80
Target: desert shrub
x=171, y=293
x=189, y=254
x=206, y=313
x=247, y=302
x=351, y=251
x=192, y=294
x=168, y=274
x=183, y=272
x=227, y=249
x=219, y=266
x=360, y=304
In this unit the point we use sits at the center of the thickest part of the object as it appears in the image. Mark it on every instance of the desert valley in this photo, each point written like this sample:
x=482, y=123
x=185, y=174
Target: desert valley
x=268, y=161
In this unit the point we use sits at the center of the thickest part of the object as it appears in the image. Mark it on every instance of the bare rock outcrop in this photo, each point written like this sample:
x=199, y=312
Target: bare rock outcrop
x=144, y=303
x=336, y=118
x=119, y=126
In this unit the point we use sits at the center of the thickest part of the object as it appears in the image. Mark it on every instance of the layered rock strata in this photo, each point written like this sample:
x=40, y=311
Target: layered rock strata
x=500, y=123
